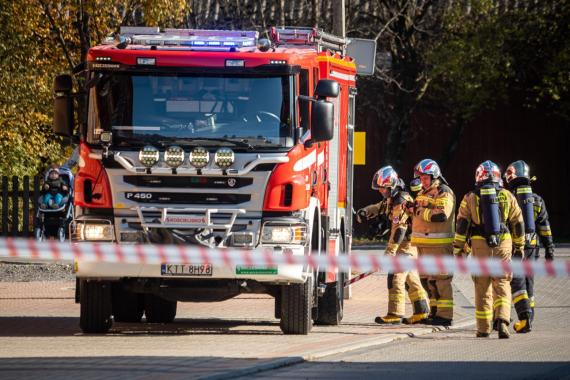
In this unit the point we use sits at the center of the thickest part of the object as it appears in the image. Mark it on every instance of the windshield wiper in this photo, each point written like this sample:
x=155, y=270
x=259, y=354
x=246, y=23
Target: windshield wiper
x=240, y=143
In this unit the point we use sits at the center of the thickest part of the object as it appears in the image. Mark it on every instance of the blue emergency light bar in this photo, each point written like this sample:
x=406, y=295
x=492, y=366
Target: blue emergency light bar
x=190, y=38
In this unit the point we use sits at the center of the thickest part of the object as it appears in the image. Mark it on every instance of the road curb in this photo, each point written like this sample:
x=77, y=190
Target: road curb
x=372, y=342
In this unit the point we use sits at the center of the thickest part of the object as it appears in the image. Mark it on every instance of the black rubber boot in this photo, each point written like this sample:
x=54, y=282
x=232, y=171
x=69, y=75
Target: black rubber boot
x=438, y=321
x=503, y=329
x=524, y=325
x=389, y=320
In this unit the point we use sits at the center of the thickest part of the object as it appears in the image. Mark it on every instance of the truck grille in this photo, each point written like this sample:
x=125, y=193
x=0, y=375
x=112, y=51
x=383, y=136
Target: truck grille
x=187, y=198
x=197, y=182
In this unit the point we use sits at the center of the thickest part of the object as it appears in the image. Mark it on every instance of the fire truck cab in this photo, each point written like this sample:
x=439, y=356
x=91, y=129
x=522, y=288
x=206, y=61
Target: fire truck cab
x=219, y=139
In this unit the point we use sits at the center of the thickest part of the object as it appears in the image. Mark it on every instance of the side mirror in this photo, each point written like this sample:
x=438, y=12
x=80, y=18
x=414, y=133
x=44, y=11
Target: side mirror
x=327, y=88
x=322, y=121
x=63, y=106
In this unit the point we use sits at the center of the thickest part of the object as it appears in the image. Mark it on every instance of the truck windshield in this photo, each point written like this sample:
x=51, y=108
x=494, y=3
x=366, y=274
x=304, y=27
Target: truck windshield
x=192, y=110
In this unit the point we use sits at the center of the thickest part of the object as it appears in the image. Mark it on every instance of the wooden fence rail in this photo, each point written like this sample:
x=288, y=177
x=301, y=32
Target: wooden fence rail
x=19, y=205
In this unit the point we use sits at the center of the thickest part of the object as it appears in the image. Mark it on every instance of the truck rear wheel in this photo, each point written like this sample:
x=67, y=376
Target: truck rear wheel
x=331, y=304
x=277, y=306
x=296, y=305
x=159, y=310
x=127, y=306
x=95, y=300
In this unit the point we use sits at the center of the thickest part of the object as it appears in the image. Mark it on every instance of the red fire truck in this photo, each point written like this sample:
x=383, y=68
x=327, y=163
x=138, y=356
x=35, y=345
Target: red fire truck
x=219, y=139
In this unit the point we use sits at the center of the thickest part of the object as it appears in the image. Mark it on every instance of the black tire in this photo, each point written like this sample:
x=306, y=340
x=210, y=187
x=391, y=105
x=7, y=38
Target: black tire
x=95, y=300
x=296, y=305
x=127, y=306
x=159, y=310
x=331, y=304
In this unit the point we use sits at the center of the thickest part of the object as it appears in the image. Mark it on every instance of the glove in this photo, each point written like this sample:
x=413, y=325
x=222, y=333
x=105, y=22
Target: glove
x=361, y=215
x=549, y=253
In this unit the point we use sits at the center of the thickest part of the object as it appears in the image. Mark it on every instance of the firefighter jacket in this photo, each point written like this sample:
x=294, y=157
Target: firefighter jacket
x=541, y=221
x=401, y=223
x=433, y=217
x=470, y=221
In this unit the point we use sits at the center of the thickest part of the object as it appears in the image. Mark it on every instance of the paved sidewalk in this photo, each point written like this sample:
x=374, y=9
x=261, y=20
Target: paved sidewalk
x=39, y=333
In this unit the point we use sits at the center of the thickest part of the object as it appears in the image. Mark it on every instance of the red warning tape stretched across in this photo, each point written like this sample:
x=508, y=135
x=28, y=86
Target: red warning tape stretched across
x=152, y=254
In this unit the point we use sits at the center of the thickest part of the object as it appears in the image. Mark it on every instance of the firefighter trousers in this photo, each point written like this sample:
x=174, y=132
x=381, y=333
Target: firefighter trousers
x=492, y=294
x=523, y=288
x=398, y=283
x=440, y=290
x=424, y=279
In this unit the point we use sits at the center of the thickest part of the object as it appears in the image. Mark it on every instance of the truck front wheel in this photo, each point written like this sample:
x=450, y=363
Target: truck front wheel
x=159, y=310
x=95, y=300
x=296, y=305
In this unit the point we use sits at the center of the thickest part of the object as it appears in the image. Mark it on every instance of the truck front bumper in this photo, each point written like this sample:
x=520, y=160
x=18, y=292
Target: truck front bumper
x=171, y=270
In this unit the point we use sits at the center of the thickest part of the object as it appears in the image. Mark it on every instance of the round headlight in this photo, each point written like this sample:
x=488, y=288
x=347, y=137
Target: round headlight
x=148, y=156
x=224, y=158
x=174, y=156
x=199, y=157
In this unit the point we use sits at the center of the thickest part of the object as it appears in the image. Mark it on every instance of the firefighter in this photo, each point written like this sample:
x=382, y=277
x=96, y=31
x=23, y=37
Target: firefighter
x=517, y=178
x=432, y=234
x=396, y=201
x=415, y=187
x=492, y=219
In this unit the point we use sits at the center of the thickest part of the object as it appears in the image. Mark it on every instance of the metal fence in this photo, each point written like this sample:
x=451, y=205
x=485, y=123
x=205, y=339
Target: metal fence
x=19, y=204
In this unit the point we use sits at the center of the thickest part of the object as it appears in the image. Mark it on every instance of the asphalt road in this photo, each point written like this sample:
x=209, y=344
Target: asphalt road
x=542, y=354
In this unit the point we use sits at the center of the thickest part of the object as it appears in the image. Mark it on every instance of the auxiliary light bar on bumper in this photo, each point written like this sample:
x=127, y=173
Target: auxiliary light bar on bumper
x=193, y=171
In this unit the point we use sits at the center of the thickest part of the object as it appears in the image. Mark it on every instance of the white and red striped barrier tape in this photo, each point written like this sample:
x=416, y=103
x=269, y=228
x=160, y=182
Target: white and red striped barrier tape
x=359, y=277
x=156, y=254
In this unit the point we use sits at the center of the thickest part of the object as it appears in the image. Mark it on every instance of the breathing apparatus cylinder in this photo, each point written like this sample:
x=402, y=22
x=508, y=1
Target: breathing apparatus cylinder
x=526, y=203
x=491, y=214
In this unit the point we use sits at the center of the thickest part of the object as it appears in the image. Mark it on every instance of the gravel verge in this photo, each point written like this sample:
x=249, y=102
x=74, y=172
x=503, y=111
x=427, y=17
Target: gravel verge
x=26, y=272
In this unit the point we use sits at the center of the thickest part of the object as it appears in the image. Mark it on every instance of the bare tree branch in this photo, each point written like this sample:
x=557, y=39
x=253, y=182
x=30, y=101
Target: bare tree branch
x=59, y=34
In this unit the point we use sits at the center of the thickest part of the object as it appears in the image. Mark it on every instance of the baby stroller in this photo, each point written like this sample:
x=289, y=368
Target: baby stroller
x=54, y=222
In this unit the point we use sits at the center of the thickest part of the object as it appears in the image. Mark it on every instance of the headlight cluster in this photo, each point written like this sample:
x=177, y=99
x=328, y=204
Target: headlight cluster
x=284, y=234
x=198, y=157
x=95, y=232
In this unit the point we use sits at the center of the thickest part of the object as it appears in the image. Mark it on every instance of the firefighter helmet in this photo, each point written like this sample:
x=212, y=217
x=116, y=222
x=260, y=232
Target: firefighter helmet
x=517, y=169
x=488, y=171
x=427, y=166
x=385, y=177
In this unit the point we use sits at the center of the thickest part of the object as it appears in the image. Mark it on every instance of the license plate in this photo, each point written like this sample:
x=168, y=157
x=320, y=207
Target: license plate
x=204, y=270
x=185, y=219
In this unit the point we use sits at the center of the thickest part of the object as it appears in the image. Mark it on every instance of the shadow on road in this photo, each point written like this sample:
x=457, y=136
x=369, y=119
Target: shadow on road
x=123, y=367
x=67, y=326
x=464, y=370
